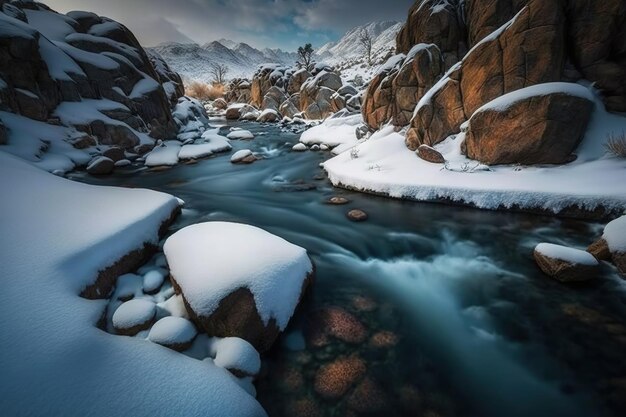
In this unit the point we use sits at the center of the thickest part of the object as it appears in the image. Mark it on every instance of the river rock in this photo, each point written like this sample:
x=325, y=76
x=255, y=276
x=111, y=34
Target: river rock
x=337, y=201
x=357, y=215
x=566, y=264
x=246, y=286
x=383, y=340
x=600, y=250
x=430, y=154
x=333, y=380
x=368, y=397
x=176, y=333
x=101, y=166
x=337, y=323
x=243, y=156
x=114, y=153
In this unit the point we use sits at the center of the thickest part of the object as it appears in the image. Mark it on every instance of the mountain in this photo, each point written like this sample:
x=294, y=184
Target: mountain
x=348, y=47
x=193, y=61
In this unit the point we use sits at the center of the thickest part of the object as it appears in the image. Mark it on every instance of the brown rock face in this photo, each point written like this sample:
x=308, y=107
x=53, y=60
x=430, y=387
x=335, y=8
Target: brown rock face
x=537, y=130
x=597, y=38
x=437, y=22
x=296, y=81
x=564, y=271
x=239, y=91
x=600, y=250
x=429, y=154
x=485, y=16
x=529, y=51
x=237, y=315
x=335, y=379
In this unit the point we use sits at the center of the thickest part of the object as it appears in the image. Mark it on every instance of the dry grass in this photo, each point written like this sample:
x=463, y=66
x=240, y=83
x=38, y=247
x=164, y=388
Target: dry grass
x=616, y=144
x=204, y=92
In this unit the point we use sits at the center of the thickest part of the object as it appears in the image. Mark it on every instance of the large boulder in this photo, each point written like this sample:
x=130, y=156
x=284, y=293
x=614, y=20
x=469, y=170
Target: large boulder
x=296, y=81
x=542, y=124
x=534, y=54
x=316, y=95
x=273, y=98
x=225, y=296
x=266, y=77
x=239, y=90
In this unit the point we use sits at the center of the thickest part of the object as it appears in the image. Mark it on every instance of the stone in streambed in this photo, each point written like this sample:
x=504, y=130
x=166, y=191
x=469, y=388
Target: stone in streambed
x=368, y=397
x=565, y=264
x=176, y=333
x=333, y=380
x=357, y=215
x=336, y=200
x=101, y=166
x=337, y=323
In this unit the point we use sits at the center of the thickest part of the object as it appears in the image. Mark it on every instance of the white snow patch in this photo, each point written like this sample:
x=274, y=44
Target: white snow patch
x=165, y=155
x=334, y=131
x=240, y=134
x=567, y=254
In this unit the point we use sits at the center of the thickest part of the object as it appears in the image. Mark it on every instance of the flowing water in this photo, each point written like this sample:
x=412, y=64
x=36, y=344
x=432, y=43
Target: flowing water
x=460, y=321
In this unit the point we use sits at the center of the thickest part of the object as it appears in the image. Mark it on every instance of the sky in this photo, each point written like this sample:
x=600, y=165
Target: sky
x=284, y=24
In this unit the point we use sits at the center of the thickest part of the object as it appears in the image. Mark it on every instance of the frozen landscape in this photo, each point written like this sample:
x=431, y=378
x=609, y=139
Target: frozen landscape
x=313, y=209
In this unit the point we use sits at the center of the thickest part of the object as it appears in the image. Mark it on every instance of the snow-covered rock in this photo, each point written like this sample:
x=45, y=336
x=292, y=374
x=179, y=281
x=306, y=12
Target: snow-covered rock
x=101, y=166
x=299, y=147
x=334, y=132
x=152, y=281
x=612, y=245
x=134, y=316
x=236, y=355
x=99, y=226
x=566, y=264
x=240, y=134
x=176, y=333
x=254, y=299
x=268, y=116
x=242, y=156
x=164, y=155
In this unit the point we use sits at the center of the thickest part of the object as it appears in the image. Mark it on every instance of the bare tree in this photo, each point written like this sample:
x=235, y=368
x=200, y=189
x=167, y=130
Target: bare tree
x=305, y=56
x=218, y=73
x=366, y=42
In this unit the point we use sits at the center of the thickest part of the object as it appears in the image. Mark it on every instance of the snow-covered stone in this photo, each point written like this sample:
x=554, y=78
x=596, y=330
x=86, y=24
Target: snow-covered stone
x=299, y=147
x=134, y=316
x=240, y=134
x=236, y=355
x=566, y=264
x=242, y=156
x=101, y=166
x=176, y=333
x=254, y=299
x=152, y=281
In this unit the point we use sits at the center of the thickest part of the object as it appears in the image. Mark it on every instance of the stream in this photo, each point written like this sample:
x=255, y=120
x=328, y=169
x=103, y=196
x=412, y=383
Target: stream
x=465, y=322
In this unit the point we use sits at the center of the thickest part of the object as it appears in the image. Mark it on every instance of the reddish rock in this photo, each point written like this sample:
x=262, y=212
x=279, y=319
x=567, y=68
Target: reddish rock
x=368, y=397
x=430, y=154
x=336, y=200
x=565, y=271
x=335, y=322
x=304, y=407
x=600, y=249
x=383, y=339
x=333, y=380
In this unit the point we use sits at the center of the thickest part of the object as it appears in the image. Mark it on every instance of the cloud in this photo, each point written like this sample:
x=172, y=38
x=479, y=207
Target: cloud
x=262, y=23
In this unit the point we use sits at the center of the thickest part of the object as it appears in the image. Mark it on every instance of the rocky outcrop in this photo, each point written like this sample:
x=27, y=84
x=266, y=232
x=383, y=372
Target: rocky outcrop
x=239, y=90
x=92, y=58
x=489, y=48
x=542, y=127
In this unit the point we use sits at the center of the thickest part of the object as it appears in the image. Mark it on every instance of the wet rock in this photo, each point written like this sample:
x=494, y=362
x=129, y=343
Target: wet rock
x=368, y=397
x=336, y=200
x=337, y=323
x=101, y=166
x=304, y=407
x=291, y=379
x=383, y=340
x=600, y=250
x=430, y=154
x=566, y=264
x=333, y=380
x=357, y=215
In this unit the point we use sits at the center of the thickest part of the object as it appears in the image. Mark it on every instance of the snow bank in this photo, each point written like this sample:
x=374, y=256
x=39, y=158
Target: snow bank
x=211, y=260
x=383, y=164
x=334, y=132
x=165, y=155
x=56, y=361
x=567, y=254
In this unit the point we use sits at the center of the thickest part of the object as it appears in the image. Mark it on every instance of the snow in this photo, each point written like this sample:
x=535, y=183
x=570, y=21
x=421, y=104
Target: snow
x=143, y=87
x=333, y=131
x=152, y=280
x=172, y=330
x=128, y=286
x=240, y=155
x=165, y=155
x=567, y=254
x=299, y=147
x=175, y=306
x=234, y=353
x=56, y=361
x=196, y=151
x=615, y=235
x=384, y=165
x=507, y=100
x=134, y=313
x=211, y=260
x=240, y=134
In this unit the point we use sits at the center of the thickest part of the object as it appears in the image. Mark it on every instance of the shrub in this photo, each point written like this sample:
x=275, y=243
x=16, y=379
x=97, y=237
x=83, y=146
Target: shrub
x=204, y=92
x=616, y=144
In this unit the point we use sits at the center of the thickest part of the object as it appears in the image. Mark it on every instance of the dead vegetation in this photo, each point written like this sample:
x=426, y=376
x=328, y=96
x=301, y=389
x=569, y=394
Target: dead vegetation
x=203, y=91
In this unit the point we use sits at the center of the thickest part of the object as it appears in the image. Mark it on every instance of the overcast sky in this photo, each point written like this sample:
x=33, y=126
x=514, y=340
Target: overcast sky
x=261, y=23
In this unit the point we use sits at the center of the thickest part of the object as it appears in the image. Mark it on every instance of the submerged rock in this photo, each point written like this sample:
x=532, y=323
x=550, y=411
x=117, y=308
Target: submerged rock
x=337, y=323
x=333, y=380
x=357, y=215
x=336, y=200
